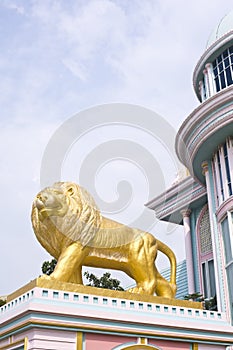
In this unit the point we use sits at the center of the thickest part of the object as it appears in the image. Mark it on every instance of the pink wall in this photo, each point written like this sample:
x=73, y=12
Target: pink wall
x=105, y=342
x=108, y=342
x=168, y=345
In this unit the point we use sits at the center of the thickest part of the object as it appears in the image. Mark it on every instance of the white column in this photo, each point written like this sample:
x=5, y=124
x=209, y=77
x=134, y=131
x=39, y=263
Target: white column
x=201, y=90
x=210, y=75
x=212, y=227
x=217, y=180
x=224, y=173
x=188, y=250
x=206, y=82
x=229, y=218
x=230, y=158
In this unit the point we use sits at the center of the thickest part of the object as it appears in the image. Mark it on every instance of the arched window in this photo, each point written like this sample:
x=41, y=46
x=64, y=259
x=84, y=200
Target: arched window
x=206, y=254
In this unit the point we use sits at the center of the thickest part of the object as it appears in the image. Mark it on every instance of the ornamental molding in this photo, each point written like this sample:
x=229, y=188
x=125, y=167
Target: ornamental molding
x=180, y=205
x=203, y=122
x=207, y=132
x=171, y=192
x=177, y=198
x=222, y=210
x=222, y=99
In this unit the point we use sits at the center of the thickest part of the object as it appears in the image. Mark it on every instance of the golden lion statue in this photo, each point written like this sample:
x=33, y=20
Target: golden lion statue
x=70, y=227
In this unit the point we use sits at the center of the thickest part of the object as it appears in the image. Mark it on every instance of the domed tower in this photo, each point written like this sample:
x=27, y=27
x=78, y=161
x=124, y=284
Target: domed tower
x=203, y=202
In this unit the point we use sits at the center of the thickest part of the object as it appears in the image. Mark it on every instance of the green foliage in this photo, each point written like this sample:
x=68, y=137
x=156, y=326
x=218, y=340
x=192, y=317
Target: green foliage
x=194, y=297
x=103, y=282
x=209, y=304
x=2, y=302
x=100, y=282
x=49, y=266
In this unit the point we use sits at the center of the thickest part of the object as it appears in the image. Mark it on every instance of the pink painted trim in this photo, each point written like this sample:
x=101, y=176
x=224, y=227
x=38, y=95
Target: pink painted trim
x=171, y=191
x=216, y=126
x=227, y=205
x=195, y=124
x=165, y=206
x=206, y=108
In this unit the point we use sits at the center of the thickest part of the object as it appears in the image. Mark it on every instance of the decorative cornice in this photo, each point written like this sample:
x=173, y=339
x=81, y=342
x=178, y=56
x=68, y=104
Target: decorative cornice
x=201, y=335
x=171, y=192
x=204, y=122
x=205, y=110
x=179, y=197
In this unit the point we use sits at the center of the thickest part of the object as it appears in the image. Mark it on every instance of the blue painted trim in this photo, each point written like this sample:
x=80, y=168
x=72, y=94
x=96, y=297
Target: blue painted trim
x=148, y=314
x=193, y=220
x=135, y=328
x=136, y=334
x=204, y=121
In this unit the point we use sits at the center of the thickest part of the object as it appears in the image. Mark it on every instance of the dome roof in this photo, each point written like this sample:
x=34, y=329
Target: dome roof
x=224, y=26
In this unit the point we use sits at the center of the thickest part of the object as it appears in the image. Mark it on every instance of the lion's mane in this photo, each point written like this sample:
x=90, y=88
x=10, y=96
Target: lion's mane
x=79, y=219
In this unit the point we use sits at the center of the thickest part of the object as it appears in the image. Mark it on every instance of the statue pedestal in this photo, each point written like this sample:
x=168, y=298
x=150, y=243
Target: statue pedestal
x=48, y=283
x=64, y=316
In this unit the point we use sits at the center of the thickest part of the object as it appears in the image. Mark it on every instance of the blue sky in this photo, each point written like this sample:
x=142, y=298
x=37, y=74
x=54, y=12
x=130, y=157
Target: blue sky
x=60, y=57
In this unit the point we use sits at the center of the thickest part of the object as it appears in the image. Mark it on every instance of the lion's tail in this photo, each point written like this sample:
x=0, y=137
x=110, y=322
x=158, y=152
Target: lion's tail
x=172, y=258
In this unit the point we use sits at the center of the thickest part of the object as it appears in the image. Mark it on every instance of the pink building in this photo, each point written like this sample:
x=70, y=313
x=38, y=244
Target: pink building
x=203, y=201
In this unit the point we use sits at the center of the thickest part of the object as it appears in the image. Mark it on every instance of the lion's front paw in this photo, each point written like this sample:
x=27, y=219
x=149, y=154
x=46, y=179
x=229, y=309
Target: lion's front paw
x=138, y=290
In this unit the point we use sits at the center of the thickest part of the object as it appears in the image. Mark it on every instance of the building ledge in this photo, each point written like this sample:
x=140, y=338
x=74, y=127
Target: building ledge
x=183, y=195
x=69, y=311
x=42, y=282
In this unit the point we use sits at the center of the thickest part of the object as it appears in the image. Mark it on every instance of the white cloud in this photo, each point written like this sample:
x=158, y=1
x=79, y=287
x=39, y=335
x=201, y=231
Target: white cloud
x=13, y=6
x=78, y=69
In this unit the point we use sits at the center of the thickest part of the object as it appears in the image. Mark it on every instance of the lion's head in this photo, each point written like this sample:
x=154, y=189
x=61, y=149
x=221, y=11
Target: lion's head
x=62, y=214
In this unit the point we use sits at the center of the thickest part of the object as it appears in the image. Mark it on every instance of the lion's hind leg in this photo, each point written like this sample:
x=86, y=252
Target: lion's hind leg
x=164, y=288
x=142, y=263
